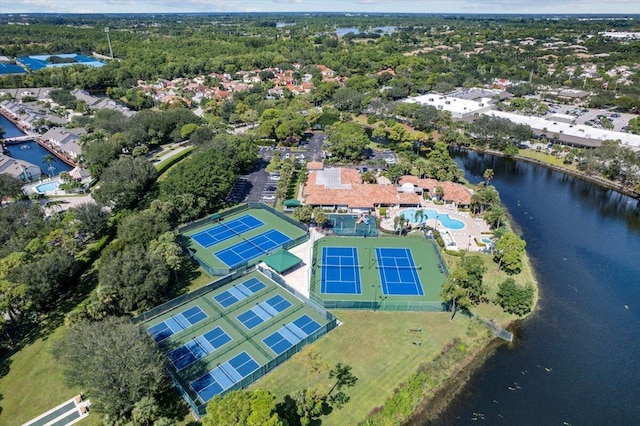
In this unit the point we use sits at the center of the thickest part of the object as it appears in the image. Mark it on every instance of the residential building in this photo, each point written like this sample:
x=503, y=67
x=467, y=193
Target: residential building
x=19, y=169
x=64, y=140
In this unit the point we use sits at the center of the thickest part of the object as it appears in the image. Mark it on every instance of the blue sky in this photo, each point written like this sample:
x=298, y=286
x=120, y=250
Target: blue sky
x=362, y=6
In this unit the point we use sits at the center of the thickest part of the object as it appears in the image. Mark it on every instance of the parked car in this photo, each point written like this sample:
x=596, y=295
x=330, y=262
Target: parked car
x=269, y=197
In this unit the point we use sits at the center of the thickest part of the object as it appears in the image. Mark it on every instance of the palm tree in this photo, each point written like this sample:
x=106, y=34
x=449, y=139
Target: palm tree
x=419, y=216
x=399, y=222
x=49, y=159
x=488, y=175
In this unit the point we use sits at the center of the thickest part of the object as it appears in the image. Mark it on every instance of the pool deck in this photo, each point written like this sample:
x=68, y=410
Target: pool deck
x=31, y=188
x=464, y=238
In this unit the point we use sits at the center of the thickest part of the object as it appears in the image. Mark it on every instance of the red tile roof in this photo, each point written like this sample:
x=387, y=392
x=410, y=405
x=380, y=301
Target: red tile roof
x=315, y=165
x=454, y=192
x=358, y=195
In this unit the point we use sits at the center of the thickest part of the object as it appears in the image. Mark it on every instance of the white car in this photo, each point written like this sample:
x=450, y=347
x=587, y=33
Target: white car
x=269, y=197
x=274, y=177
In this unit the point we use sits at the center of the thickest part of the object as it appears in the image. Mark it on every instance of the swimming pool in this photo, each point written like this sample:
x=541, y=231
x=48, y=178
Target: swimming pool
x=486, y=240
x=47, y=187
x=444, y=219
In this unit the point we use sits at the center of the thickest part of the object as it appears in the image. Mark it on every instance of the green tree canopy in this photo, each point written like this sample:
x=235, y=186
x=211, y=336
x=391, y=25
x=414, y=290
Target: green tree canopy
x=199, y=184
x=9, y=186
x=509, y=252
x=91, y=218
x=514, y=298
x=115, y=361
x=464, y=287
x=248, y=408
x=46, y=276
x=348, y=141
x=142, y=227
x=124, y=181
x=133, y=278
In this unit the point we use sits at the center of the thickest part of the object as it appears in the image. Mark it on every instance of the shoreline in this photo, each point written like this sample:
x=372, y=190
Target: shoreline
x=432, y=407
x=605, y=183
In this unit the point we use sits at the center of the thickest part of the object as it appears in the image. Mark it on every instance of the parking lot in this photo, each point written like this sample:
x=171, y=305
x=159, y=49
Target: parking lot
x=260, y=186
x=592, y=117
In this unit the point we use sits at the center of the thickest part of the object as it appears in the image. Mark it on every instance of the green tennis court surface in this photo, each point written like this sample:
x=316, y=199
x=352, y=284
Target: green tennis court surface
x=226, y=338
x=353, y=272
x=239, y=237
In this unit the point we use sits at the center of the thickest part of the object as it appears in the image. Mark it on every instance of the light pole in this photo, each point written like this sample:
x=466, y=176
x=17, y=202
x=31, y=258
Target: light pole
x=106, y=30
x=375, y=297
x=382, y=299
x=469, y=246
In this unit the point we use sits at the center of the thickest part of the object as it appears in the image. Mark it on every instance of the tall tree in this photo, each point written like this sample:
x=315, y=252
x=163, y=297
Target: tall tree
x=134, y=278
x=508, y=253
x=120, y=364
x=515, y=299
x=249, y=408
x=488, y=175
x=124, y=182
x=91, y=218
x=348, y=141
x=464, y=287
x=9, y=186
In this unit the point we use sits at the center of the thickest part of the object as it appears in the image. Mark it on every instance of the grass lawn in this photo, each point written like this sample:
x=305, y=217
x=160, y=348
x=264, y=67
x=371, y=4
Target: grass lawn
x=379, y=346
x=546, y=158
x=35, y=384
x=492, y=279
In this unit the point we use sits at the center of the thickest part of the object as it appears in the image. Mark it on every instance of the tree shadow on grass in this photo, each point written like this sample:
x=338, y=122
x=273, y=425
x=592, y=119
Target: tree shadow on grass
x=190, y=271
x=34, y=326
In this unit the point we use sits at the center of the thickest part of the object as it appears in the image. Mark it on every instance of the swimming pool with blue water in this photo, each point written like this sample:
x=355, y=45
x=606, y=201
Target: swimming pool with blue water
x=444, y=219
x=47, y=187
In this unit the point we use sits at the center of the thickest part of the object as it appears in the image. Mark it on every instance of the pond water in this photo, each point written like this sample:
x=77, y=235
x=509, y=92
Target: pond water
x=35, y=154
x=10, y=129
x=576, y=360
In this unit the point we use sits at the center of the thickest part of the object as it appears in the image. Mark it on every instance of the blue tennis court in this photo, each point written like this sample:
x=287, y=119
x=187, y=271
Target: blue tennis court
x=263, y=311
x=11, y=69
x=198, y=347
x=224, y=376
x=253, y=247
x=290, y=334
x=225, y=230
x=398, y=272
x=176, y=323
x=239, y=291
x=37, y=62
x=340, y=271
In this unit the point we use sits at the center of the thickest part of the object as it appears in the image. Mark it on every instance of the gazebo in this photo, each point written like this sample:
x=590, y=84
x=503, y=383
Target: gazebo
x=282, y=260
x=292, y=203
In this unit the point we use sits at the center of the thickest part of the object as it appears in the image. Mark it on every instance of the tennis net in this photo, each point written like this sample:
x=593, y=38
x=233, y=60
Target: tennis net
x=398, y=267
x=329, y=265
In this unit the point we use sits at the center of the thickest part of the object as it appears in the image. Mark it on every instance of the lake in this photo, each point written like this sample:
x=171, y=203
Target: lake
x=577, y=359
